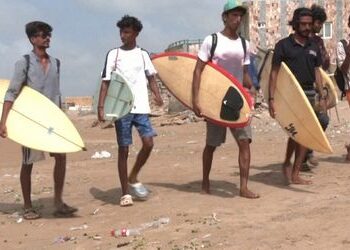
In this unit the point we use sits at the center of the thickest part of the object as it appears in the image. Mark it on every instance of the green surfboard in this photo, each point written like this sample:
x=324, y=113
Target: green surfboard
x=119, y=99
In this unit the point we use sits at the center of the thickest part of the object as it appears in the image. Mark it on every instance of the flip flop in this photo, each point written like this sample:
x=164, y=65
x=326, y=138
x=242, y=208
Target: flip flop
x=30, y=214
x=139, y=190
x=65, y=210
x=126, y=200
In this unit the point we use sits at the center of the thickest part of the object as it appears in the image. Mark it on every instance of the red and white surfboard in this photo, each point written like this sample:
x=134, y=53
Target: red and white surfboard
x=222, y=98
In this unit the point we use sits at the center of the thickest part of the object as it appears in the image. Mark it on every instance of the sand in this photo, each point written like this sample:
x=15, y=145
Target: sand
x=285, y=217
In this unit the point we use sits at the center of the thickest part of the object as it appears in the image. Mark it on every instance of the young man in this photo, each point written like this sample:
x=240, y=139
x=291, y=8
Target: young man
x=319, y=16
x=343, y=61
x=135, y=65
x=40, y=72
x=303, y=58
x=229, y=54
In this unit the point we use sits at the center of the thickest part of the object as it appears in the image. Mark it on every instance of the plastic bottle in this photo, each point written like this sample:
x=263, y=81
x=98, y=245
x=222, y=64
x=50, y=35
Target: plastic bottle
x=125, y=232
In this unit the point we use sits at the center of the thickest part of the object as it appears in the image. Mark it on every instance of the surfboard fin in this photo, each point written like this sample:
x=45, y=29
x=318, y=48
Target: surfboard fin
x=231, y=105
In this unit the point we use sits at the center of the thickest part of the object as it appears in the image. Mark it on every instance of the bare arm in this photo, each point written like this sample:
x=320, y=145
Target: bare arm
x=247, y=81
x=101, y=100
x=272, y=87
x=5, y=111
x=155, y=90
x=197, y=75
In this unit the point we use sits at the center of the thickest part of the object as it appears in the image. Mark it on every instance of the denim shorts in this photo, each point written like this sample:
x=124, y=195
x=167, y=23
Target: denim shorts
x=123, y=128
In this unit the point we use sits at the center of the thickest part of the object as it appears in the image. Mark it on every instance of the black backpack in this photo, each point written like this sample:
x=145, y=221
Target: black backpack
x=339, y=77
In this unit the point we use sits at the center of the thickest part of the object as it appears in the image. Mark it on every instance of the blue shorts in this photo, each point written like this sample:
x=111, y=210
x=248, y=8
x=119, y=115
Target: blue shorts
x=123, y=128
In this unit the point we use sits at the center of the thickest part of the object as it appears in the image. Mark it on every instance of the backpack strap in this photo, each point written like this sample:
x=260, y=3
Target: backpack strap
x=244, y=45
x=58, y=64
x=27, y=58
x=214, y=43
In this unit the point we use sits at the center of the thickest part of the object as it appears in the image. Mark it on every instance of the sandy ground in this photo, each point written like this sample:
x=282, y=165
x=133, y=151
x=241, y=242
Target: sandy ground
x=285, y=217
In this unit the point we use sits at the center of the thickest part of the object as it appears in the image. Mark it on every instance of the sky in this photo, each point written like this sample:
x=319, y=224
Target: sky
x=85, y=30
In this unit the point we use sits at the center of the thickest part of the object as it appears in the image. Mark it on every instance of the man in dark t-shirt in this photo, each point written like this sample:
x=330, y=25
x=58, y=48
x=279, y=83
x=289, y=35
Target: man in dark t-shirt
x=303, y=58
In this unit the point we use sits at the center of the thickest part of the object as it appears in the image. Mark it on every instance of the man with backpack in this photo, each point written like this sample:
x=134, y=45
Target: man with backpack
x=232, y=54
x=39, y=71
x=343, y=63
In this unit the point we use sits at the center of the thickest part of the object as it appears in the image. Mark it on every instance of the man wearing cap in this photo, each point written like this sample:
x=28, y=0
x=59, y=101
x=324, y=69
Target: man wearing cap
x=229, y=54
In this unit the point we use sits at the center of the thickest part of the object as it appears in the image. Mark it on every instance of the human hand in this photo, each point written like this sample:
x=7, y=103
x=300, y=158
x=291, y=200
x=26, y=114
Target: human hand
x=158, y=100
x=3, y=131
x=197, y=110
x=272, y=108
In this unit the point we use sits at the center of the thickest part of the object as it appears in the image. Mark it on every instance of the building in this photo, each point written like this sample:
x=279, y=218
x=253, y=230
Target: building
x=267, y=22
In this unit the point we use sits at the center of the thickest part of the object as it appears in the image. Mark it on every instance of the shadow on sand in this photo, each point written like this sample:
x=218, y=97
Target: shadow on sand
x=44, y=206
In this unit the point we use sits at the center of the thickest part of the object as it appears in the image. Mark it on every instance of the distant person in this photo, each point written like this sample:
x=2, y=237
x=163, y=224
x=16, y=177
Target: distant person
x=39, y=71
x=135, y=65
x=343, y=61
x=229, y=54
x=303, y=58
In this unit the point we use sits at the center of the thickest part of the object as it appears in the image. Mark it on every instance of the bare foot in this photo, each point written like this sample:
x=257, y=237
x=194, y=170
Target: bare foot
x=347, y=158
x=248, y=194
x=205, y=187
x=287, y=172
x=299, y=181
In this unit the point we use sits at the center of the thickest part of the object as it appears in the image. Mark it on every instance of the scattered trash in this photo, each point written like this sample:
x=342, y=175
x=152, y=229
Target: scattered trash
x=82, y=227
x=62, y=239
x=96, y=237
x=125, y=232
x=123, y=244
x=156, y=223
x=19, y=220
x=214, y=217
x=100, y=155
x=96, y=211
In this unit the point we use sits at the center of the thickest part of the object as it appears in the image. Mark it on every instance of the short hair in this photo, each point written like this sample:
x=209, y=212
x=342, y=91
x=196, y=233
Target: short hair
x=298, y=13
x=35, y=27
x=318, y=13
x=130, y=21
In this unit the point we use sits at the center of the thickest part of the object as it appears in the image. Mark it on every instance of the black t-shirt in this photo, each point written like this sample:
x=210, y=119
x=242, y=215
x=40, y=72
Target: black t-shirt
x=301, y=60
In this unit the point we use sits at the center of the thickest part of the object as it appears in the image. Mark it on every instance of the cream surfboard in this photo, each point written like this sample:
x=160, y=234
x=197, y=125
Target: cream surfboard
x=329, y=91
x=119, y=99
x=222, y=99
x=36, y=122
x=293, y=111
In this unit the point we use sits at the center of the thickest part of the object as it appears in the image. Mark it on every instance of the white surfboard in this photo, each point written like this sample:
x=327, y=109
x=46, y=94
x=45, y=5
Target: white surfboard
x=293, y=111
x=36, y=122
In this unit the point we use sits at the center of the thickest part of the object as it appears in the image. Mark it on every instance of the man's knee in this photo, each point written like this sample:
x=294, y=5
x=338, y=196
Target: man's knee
x=148, y=143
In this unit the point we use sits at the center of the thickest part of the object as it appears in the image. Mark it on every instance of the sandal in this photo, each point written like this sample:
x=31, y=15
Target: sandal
x=126, y=200
x=65, y=210
x=30, y=214
x=139, y=190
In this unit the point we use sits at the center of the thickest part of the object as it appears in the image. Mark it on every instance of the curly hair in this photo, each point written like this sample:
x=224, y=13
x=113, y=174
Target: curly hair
x=35, y=27
x=130, y=21
x=318, y=13
x=298, y=13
